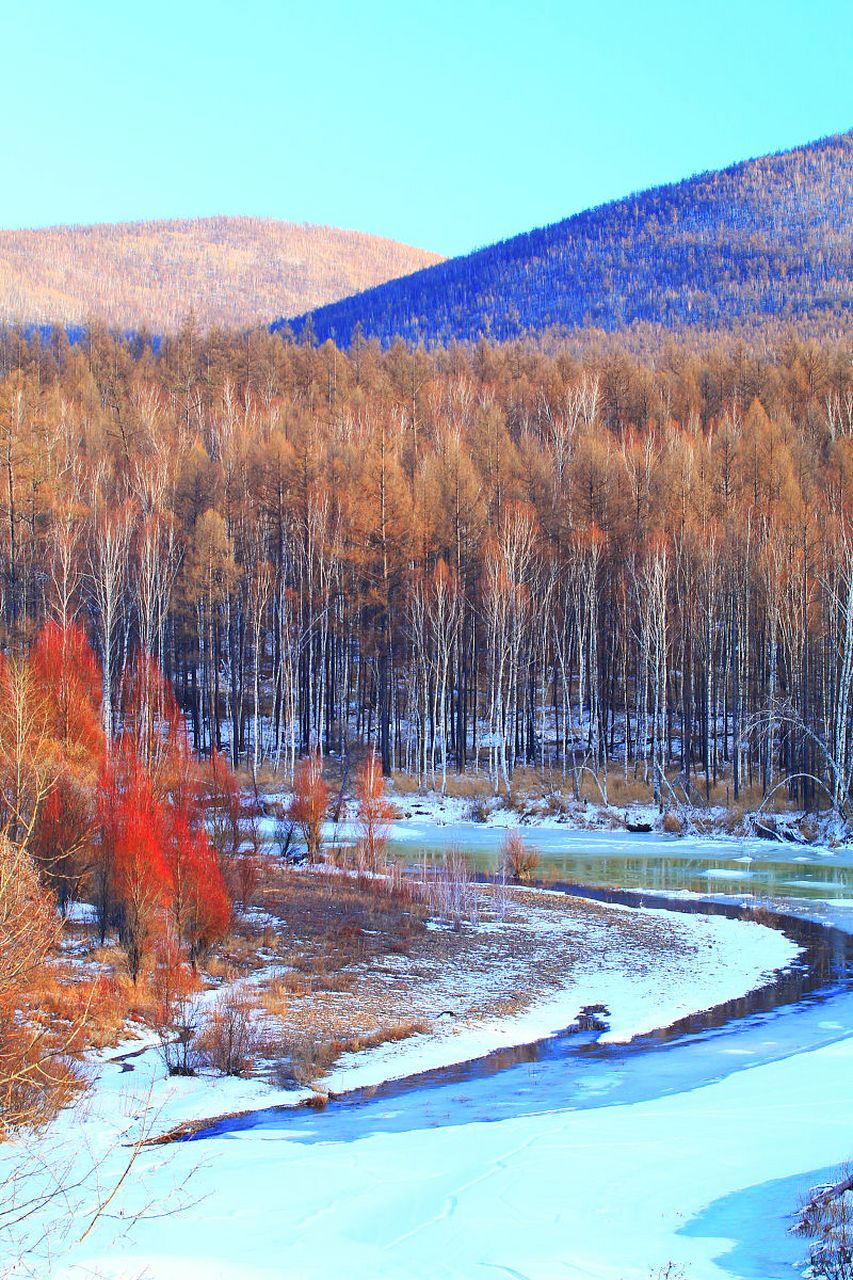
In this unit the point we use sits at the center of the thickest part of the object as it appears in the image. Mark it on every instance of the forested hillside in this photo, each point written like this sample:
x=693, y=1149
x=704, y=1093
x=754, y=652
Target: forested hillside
x=229, y=271
x=476, y=560
x=769, y=238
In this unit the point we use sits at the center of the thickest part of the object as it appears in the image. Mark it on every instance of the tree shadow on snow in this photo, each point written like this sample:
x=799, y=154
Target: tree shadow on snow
x=757, y=1220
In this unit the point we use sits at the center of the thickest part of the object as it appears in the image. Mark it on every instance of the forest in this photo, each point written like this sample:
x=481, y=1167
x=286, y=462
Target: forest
x=767, y=239
x=228, y=271
x=477, y=559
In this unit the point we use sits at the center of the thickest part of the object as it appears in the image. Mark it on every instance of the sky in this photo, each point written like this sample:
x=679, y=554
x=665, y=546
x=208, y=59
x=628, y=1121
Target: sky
x=444, y=124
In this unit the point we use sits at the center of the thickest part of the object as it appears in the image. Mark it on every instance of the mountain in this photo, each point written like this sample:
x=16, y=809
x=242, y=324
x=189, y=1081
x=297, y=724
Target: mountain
x=771, y=237
x=230, y=271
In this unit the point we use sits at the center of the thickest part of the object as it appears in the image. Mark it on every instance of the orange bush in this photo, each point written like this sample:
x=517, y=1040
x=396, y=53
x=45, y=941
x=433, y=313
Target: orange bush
x=310, y=802
x=518, y=862
x=375, y=814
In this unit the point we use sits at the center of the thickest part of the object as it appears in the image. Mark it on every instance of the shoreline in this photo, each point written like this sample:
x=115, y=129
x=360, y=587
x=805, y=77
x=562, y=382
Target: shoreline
x=531, y=812
x=146, y=1109
x=755, y=955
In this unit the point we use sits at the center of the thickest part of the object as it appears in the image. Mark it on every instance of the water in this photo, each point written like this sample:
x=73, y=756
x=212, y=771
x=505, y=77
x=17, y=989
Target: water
x=806, y=1008
x=809, y=1005
x=810, y=880
x=565, y=1073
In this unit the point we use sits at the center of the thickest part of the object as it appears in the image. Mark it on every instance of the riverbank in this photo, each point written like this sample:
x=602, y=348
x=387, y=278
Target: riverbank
x=531, y=975
x=544, y=800
x=359, y=986
x=509, y=981
x=542, y=806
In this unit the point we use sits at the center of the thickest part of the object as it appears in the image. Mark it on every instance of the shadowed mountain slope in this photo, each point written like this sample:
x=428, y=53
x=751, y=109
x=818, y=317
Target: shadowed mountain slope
x=767, y=238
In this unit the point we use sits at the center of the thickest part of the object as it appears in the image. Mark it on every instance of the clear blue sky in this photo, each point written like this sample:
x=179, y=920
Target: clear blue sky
x=447, y=125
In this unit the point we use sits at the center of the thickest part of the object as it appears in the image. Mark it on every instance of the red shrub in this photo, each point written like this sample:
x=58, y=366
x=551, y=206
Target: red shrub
x=134, y=827
x=200, y=906
x=68, y=676
x=309, y=804
x=375, y=814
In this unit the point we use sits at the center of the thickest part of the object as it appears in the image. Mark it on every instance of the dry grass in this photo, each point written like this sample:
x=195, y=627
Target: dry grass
x=529, y=786
x=405, y=784
x=339, y=933
x=97, y=1008
x=277, y=995
x=229, y=1041
x=244, y=951
x=336, y=920
x=372, y=1040
x=826, y=1218
x=622, y=791
x=468, y=786
x=559, y=803
x=312, y=1058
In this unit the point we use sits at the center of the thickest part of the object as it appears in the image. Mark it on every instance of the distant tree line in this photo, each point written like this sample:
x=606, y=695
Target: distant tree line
x=476, y=558
x=232, y=271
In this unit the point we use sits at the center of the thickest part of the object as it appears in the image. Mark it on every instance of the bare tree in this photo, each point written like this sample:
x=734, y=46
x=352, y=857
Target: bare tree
x=109, y=546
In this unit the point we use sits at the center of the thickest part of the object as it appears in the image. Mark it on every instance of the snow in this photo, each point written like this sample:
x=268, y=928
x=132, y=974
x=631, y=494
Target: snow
x=434, y=809
x=254, y=1203
x=732, y=958
x=81, y=913
x=129, y=1081
x=700, y=1170
x=612, y=1193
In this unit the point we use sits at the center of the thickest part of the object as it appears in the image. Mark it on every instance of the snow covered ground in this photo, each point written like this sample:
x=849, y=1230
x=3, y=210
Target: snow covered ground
x=433, y=808
x=721, y=960
x=467, y=1200
x=695, y=1185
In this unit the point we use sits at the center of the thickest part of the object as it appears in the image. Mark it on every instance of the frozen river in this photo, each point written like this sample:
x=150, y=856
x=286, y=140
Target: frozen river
x=680, y=1156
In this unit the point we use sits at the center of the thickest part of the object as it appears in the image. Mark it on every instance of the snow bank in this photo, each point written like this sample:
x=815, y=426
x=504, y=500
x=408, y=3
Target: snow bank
x=517, y=1197
x=697, y=1181
x=722, y=960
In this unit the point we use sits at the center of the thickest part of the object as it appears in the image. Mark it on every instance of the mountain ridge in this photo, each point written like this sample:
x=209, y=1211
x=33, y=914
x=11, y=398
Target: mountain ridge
x=767, y=237
x=231, y=271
